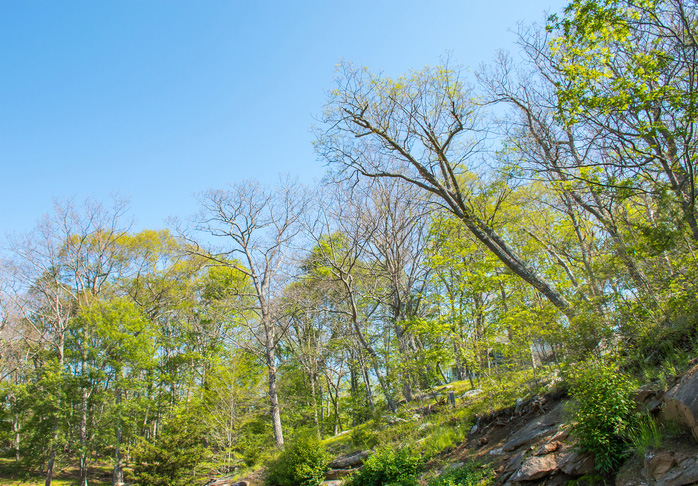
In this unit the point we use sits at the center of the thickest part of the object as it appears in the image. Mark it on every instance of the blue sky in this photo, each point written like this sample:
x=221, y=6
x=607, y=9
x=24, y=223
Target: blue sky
x=158, y=100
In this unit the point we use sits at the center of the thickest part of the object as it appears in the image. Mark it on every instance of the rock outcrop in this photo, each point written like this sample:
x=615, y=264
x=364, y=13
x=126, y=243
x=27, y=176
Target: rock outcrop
x=681, y=402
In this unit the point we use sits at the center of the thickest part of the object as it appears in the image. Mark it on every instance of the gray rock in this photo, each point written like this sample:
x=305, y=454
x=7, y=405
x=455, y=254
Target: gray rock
x=575, y=464
x=515, y=462
x=658, y=463
x=349, y=460
x=537, y=428
x=471, y=393
x=681, y=402
x=685, y=472
x=548, y=448
x=535, y=467
x=334, y=474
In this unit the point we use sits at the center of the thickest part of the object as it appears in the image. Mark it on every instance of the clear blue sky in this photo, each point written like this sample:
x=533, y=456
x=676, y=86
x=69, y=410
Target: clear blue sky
x=158, y=100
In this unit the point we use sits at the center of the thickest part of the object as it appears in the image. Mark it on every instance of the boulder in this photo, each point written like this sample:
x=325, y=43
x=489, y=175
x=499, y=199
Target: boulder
x=348, y=461
x=658, y=463
x=535, y=467
x=334, y=474
x=471, y=393
x=684, y=472
x=575, y=464
x=537, y=428
x=548, y=447
x=629, y=473
x=681, y=402
x=226, y=481
x=515, y=462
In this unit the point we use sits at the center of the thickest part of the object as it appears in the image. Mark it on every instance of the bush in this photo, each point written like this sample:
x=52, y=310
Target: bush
x=302, y=463
x=389, y=467
x=603, y=414
x=362, y=436
x=471, y=474
x=172, y=459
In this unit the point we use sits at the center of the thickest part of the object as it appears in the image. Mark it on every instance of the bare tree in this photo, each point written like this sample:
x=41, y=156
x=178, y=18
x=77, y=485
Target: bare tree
x=396, y=248
x=56, y=270
x=258, y=227
x=343, y=230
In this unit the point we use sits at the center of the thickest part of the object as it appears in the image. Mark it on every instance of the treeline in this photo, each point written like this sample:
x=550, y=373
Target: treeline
x=537, y=212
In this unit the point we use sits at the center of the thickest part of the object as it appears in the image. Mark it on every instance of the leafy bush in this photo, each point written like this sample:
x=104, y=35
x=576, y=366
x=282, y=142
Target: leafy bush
x=603, y=414
x=302, y=463
x=389, y=467
x=172, y=459
x=471, y=474
x=362, y=436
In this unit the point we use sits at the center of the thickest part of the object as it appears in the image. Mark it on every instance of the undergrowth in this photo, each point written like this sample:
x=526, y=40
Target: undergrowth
x=470, y=474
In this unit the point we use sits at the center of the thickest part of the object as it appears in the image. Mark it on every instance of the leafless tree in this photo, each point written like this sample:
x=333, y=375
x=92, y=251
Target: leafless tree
x=257, y=227
x=56, y=270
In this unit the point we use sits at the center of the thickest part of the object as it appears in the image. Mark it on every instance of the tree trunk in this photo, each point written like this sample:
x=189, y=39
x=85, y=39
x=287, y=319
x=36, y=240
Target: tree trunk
x=15, y=429
x=83, y=436
x=275, y=409
x=118, y=475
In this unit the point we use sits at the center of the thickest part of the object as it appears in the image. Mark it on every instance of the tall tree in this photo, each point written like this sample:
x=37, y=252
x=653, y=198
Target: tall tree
x=258, y=227
x=425, y=129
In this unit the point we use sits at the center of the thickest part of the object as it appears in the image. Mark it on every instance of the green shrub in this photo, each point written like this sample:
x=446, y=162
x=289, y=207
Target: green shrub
x=389, y=467
x=172, y=459
x=602, y=414
x=363, y=437
x=302, y=463
x=471, y=474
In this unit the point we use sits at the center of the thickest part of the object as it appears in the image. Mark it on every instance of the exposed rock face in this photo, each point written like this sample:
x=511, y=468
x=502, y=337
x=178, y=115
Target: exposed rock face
x=344, y=466
x=334, y=474
x=681, y=402
x=657, y=464
x=349, y=460
x=515, y=462
x=535, y=467
x=539, y=427
x=685, y=472
x=576, y=464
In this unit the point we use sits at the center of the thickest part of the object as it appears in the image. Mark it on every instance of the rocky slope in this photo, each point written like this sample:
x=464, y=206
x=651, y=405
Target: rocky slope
x=529, y=444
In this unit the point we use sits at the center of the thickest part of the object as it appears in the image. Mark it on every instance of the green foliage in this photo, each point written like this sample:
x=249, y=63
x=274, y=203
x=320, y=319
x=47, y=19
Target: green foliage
x=470, y=474
x=441, y=438
x=645, y=435
x=171, y=459
x=389, y=466
x=302, y=463
x=364, y=437
x=602, y=413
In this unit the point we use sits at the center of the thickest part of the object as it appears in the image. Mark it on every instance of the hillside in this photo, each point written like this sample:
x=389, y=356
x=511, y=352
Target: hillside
x=529, y=443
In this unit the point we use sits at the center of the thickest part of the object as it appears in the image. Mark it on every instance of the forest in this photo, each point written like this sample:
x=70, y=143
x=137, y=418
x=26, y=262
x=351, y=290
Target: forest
x=521, y=217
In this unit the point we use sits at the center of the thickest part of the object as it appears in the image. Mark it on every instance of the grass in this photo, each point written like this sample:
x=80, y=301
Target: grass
x=448, y=427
